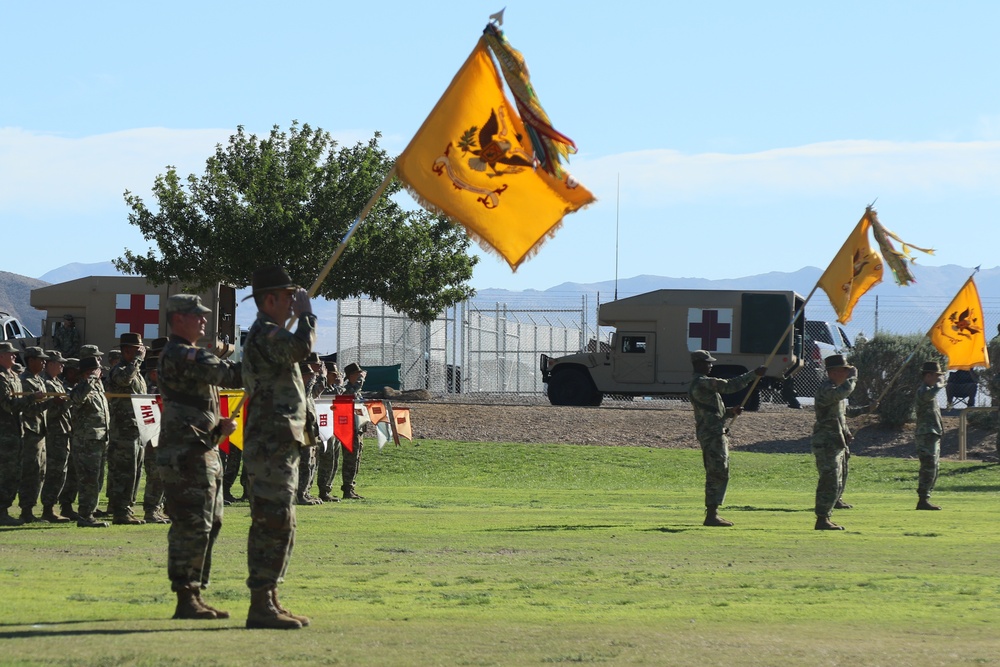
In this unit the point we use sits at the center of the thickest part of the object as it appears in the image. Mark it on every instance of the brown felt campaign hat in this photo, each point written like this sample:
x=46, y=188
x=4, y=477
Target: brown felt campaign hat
x=130, y=338
x=271, y=278
x=932, y=367
x=836, y=361
x=89, y=364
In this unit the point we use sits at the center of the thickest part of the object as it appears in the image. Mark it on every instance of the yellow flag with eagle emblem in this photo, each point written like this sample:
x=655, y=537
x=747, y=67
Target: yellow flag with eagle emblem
x=960, y=333
x=856, y=269
x=474, y=161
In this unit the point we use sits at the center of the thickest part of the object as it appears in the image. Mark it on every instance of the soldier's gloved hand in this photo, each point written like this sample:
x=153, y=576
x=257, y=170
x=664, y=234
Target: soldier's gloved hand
x=734, y=411
x=300, y=302
x=227, y=427
x=760, y=371
x=853, y=372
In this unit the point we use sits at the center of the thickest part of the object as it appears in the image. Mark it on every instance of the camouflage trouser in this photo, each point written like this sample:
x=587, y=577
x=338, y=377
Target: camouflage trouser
x=192, y=484
x=88, y=459
x=68, y=494
x=830, y=465
x=715, y=455
x=929, y=452
x=32, y=470
x=125, y=458
x=56, y=467
x=152, y=495
x=326, y=466
x=307, y=470
x=273, y=473
x=844, y=470
x=350, y=466
x=234, y=470
x=10, y=468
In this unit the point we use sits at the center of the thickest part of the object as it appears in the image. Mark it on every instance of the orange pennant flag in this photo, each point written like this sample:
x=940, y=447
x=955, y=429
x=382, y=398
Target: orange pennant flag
x=376, y=411
x=402, y=420
x=856, y=269
x=960, y=332
x=473, y=161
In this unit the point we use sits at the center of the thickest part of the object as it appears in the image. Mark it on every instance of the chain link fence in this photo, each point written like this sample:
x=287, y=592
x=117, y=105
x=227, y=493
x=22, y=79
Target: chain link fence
x=481, y=348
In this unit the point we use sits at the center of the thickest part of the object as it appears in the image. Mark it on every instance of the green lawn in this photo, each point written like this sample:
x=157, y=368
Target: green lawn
x=508, y=554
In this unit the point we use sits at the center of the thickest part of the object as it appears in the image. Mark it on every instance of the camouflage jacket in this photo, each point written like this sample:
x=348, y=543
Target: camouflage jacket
x=33, y=414
x=276, y=403
x=928, y=412
x=58, y=418
x=11, y=404
x=830, y=428
x=67, y=340
x=189, y=378
x=90, y=414
x=709, y=410
x=125, y=378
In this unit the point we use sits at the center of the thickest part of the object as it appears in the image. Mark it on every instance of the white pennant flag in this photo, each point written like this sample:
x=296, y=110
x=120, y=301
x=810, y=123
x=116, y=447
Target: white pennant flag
x=148, y=411
x=382, y=433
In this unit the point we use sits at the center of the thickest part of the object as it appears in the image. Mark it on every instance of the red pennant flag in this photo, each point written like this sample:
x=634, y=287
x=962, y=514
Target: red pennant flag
x=343, y=420
x=224, y=446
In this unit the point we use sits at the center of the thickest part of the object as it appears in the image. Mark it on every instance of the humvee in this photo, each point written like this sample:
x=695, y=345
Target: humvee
x=655, y=333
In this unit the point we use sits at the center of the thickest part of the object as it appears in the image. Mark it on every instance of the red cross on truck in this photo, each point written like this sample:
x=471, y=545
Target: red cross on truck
x=650, y=350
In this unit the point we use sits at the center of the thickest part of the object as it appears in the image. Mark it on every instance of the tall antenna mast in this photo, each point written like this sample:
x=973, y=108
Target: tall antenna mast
x=618, y=206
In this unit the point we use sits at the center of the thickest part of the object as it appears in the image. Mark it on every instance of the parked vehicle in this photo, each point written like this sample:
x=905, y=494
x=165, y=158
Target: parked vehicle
x=821, y=340
x=16, y=333
x=650, y=352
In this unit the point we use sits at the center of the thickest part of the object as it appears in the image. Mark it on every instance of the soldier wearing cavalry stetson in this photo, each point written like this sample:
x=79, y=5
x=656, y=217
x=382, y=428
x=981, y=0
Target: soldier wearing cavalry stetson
x=831, y=436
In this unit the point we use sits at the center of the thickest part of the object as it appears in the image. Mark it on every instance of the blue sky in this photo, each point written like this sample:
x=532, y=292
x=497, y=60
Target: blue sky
x=747, y=137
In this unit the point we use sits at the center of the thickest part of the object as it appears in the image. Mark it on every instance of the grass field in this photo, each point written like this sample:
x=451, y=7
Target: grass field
x=506, y=554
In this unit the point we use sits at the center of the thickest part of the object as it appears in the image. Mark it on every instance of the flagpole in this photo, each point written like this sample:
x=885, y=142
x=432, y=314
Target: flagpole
x=899, y=372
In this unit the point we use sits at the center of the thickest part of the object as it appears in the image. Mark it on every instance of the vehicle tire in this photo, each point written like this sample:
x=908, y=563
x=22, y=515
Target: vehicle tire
x=573, y=386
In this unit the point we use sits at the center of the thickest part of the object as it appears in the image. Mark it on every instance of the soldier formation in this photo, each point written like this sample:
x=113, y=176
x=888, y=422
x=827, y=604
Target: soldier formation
x=62, y=425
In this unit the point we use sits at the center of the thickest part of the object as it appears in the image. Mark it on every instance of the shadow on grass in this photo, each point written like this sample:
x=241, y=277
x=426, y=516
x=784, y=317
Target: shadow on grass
x=534, y=529
x=665, y=530
x=965, y=470
x=751, y=508
x=50, y=630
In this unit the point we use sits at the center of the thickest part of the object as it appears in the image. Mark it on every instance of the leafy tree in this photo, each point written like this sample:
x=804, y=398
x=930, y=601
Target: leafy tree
x=289, y=199
x=878, y=361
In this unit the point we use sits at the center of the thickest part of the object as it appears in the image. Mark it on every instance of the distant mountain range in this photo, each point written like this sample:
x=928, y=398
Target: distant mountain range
x=910, y=309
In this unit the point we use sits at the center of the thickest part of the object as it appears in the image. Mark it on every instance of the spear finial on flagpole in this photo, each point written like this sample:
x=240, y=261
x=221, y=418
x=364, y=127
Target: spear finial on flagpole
x=498, y=17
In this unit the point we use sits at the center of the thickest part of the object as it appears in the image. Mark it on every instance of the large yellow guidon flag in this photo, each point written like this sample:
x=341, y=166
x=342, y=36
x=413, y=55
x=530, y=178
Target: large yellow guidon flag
x=472, y=161
x=856, y=269
x=959, y=333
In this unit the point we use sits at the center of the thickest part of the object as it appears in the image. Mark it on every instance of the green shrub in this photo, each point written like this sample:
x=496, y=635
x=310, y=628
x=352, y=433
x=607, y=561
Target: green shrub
x=879, y=360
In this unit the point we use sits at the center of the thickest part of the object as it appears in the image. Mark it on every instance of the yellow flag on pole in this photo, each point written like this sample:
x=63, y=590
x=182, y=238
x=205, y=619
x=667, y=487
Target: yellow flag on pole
x=856, y=269
x=473, y=161
x=959, y=333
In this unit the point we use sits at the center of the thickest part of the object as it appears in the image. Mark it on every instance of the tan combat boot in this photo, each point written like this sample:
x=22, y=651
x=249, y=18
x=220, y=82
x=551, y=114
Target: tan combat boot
x=712, y=517
x=824, y=523
x=264, y=615
x=925, y=504
x=189, y=607
x=304, y=620
x=49, y=514
x=219, y=613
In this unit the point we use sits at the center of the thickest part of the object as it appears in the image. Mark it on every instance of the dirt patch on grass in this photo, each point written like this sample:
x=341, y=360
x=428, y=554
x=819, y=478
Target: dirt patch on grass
x=667, y=424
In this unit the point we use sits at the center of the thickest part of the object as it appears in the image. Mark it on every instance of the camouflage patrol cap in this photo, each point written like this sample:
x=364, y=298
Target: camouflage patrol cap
x=186, y=304
x=6, y=347
x=702, y=355
x=55, y=355
x=68, y=317
x=35, y=353
x=90, y=351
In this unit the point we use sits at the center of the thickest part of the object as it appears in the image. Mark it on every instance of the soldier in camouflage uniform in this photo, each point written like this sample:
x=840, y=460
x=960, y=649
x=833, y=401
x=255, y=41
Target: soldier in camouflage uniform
x=352, y=459
x=327, y=460
x=307, y=462
x=152, y=494
x=993, y=374
x=928, y=432
x=710, y=426
x=33, y=440
x=188, y=452
x=274, y=434
x=831, y=436
x=70, y=377
x=59, y=428
x=66, y=338
x=11, y=406
x=91, y=422
x=125, y=451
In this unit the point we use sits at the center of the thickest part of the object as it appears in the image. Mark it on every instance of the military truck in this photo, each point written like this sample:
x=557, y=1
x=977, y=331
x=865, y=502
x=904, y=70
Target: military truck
x=655, y=333
x=104, y=307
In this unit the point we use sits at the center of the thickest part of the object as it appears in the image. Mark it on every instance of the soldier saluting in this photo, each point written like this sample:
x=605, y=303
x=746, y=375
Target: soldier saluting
x=188, y=455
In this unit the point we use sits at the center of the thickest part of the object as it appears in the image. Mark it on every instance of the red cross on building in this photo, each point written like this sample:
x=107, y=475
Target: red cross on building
x=138, y=313
x=710, y=331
